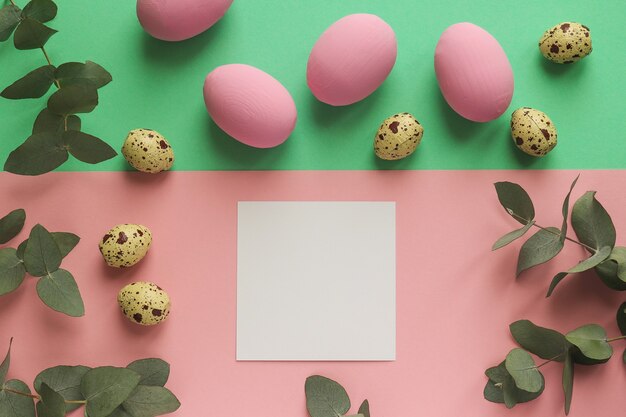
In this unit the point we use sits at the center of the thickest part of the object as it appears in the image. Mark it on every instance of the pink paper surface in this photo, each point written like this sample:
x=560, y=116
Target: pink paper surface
x=455, y=298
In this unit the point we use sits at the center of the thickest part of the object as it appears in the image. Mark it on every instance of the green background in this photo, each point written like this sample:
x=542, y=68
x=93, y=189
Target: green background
x=158, y=85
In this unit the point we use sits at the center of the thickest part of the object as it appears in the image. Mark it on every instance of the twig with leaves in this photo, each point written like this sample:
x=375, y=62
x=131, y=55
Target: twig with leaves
x=137, y=390
x=40, y=255
x=591, y=223
x=327, y=398
x=518, y=379
x=56, y=132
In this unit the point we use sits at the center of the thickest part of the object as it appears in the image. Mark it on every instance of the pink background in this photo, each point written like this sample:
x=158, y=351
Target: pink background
x=455, y=297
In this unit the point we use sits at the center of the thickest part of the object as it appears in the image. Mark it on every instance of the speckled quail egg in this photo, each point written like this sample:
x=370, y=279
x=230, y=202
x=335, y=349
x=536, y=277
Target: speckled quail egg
x=533, y=131
x=566, y=43
x=125, y=245
x=144, y=303
x=148, y=151
x=398, y=137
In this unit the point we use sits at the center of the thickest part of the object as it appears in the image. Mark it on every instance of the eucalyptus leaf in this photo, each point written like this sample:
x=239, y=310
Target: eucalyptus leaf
x=592, y=223
x=42, y=10
x=591, y=262
x=107, y=387
x=65, y=380
x=501, y=388
x=493, y=392
x=151, y=401
x=364, y=409
x=568, y=381
x=6, y=363
x=523, y=370
x=515, y=201
x=541, y=247
x=21, y=249
x=33, y=85
x=75, y=98
x=153, y=371
x=12, y=271
x=15, y=405
x=624, y=356
x=9, y=19
x=50, y=122
x=545, y=343
x=325, y=397
x=58, y=290
x=87, y=148
x=90, y=72
x=118, y=412
x=613, y=270
x=52, y=403
x=42, y=255
x=11, y=225
x=511, y=236
x=565, y=209
x=32, y=34
x=40, y=153
x=621, y=318
x=65, y=241
x=592, y=341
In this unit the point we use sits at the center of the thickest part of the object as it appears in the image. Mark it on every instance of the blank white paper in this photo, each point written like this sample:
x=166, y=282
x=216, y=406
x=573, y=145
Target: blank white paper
x=316, y=281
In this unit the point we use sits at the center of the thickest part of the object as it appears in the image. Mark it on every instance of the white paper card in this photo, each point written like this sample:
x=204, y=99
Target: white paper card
x=316, y=281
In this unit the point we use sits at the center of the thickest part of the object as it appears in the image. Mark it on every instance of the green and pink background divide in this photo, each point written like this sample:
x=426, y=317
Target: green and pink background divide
x=455, y=298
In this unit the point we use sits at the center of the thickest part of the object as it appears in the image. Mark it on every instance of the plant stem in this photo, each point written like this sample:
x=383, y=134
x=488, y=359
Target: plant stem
x=37, y=397
x=12, y=2
x=615, y=338
x=550, y=231
x=550, y=360
x=45, y=54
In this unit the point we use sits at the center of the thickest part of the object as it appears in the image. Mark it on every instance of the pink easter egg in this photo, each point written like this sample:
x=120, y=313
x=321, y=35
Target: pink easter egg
x=250, y=105
x=351, y=59
x=474, y=73
x=177, y=20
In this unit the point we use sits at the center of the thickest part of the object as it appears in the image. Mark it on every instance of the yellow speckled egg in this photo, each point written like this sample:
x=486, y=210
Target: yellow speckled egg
x=148, y=151
x=533, y=131
x=125, y=245
x=144, y=303
x=398, y=137
x=566, y=43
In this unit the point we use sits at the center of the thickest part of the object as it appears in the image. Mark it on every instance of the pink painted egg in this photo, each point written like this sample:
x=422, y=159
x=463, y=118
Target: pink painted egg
x=474, y=73
x=177, y=20
x=250, y=105
x=351, y=59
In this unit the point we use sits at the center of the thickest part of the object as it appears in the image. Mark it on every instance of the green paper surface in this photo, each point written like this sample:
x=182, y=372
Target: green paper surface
x=158, y=84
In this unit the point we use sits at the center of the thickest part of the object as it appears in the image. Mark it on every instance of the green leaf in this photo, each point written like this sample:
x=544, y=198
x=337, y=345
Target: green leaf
x=543, y=342
x=90, y=72
x=33, y=85
x=565, y=209
x=9, y=19
x=118, y=412
x=75, y=98
x=568, y=381
x=501, y=388
x=592, y=342
x=515, y=201
x=151, y=401
x=15, y=405
x=522, y=368
x=42, y=255
x=58, y=290
x=613, y=270
x=4, y=366
x=87, y=148
x=591, y=262
x=541, y=247
x=65, y=380
x=493, y=393
x=325, y=397
x=32, y=34
x=621, y=318
x=39, y=154
x=12, y=271
x=153, y=371
x=511, y=236
x=11, y=225
x=106, y=388
x=65, y=241
x=42, y=10
x=49, y=122
x=364, y=409
x=592, y=223
x=52, y=403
